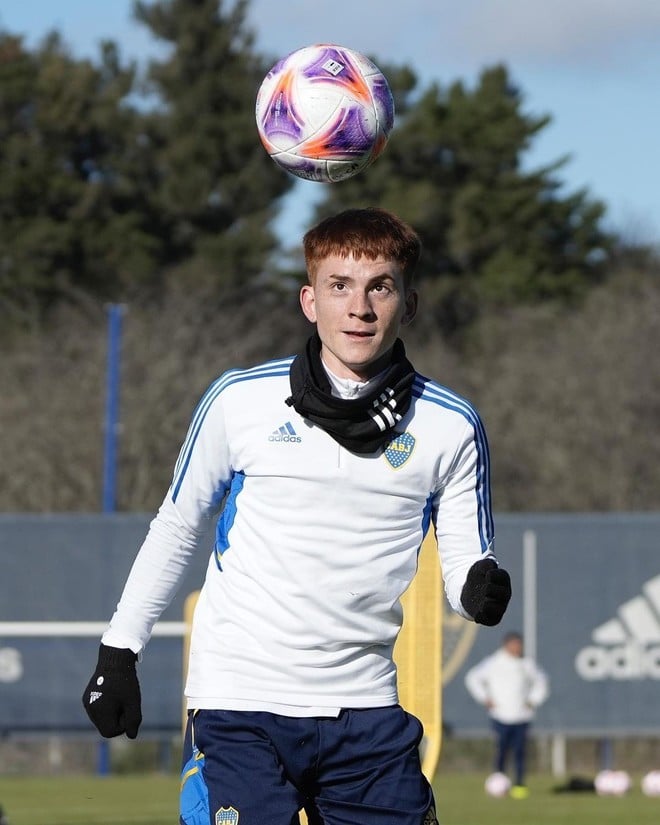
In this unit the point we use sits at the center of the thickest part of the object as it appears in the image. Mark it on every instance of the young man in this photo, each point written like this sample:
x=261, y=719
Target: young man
x=511, y=687
x=329, y=468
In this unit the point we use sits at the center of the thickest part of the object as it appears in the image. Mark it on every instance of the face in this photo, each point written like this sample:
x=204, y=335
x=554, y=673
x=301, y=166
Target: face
x=358, y=306
x=515, y=647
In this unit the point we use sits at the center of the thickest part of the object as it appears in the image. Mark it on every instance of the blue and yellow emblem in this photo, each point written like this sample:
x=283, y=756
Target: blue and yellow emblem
x=226, y=816
x=400, y=449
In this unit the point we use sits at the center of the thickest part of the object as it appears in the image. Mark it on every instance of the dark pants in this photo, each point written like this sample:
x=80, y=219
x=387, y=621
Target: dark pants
x=511, y=739
x=361, y=768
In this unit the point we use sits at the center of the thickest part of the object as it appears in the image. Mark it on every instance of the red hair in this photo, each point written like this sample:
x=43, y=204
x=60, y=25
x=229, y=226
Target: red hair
x=365, y=233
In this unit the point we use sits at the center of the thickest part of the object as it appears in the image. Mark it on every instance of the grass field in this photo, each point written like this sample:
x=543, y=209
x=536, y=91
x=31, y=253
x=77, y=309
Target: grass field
x=152, y=800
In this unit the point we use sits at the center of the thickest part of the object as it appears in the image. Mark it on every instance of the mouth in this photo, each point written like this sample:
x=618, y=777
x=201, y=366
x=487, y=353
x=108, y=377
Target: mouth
x=360, y=335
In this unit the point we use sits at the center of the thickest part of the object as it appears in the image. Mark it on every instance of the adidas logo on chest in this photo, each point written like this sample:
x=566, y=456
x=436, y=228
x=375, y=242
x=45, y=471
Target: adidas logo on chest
x=285, y=434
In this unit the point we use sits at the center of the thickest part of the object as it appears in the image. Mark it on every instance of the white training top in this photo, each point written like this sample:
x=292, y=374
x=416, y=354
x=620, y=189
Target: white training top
x=300, y=608
x=512, y=686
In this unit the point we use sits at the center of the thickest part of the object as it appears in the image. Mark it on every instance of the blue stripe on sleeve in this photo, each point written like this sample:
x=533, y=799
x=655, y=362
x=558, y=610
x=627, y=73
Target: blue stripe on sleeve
x=426, y=518
x=269, y=370
x=437, y=394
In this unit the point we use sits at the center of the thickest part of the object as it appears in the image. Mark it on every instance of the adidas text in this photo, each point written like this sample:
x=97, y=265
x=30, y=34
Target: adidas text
x=626, y=647
x=285, y=434
x=623, y=662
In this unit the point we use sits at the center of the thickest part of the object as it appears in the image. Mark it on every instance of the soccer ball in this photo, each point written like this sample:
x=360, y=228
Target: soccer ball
x=324, y=113
x=651, y=783
x=497, y=784
x=612, y=783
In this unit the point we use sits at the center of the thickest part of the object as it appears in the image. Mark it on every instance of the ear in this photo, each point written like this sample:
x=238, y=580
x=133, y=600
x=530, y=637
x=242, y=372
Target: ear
x=308, y=302
x=410, y=310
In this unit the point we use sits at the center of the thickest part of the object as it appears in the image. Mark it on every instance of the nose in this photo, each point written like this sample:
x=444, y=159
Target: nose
x=361, y=306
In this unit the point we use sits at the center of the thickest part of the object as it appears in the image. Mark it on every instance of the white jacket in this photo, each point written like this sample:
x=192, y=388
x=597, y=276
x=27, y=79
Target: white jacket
x=315, y=545
x=511, y=686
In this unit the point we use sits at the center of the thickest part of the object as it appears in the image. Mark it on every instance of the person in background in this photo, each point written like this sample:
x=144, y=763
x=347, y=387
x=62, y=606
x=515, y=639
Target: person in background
x=511, y=686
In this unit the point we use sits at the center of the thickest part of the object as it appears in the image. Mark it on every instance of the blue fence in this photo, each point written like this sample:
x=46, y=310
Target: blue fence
x=586, y=594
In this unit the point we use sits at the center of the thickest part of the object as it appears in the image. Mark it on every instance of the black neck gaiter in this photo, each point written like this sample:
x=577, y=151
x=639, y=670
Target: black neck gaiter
x=362, y=425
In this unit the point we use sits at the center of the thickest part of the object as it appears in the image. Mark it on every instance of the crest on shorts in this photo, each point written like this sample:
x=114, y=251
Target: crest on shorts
x=400, y=449
x=226, y=816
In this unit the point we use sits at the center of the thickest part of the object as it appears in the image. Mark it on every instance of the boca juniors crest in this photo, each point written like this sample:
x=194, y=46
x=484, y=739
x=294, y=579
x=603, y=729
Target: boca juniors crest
x=400, y=449
x=226, y=816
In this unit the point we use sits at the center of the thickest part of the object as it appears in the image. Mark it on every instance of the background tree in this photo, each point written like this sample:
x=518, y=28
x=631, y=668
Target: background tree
x=214, y=186
x=53, y=380
x=493, y=232
x=105, y=194
x=108, y=187
x=570, y=397
x=573, y=399
x=70, y=215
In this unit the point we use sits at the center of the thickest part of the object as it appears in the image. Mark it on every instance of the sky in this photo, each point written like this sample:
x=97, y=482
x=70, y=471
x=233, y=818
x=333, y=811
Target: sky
x=592, y=65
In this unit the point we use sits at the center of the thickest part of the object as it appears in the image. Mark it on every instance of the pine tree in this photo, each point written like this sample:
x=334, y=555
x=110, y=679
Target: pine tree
x=215, y=186
x=68, y=216
x=493, y=232
x=114, y=188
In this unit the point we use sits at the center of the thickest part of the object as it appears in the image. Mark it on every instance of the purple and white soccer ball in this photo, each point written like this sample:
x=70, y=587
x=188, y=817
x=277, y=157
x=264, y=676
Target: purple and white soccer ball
x=612, y=783
x=651, y=783
x=324, y=112
x=497, y=784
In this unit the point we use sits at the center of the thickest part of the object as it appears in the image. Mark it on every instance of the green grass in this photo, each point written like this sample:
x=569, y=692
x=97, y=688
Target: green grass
x=152, y=800
x=141, y=799
x=461, y=800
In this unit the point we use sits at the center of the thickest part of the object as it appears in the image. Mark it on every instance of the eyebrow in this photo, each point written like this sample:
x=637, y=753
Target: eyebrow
x=383, y=276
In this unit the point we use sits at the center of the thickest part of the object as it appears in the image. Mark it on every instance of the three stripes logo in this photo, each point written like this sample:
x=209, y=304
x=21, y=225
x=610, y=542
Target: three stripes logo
x=626, y=647
x=285, y=434
x=384, y=410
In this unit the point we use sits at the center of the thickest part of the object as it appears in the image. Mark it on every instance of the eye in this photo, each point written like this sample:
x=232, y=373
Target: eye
x=381, y=288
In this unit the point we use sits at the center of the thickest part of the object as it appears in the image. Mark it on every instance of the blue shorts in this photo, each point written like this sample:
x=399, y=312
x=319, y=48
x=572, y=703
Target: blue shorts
x=253, y=768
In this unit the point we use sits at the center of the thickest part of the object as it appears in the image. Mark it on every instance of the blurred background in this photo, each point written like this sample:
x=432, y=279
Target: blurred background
x=148, y=243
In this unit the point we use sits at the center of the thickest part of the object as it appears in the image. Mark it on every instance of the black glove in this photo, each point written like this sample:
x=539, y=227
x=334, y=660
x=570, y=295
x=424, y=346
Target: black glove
x=486, y=592
x=112, y=696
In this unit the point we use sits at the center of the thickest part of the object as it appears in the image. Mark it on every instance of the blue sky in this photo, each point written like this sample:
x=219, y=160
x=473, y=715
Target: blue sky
x=593, y=65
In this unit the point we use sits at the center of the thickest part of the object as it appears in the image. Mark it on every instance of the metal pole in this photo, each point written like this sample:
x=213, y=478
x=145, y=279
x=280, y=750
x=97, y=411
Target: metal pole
x=530, y=601
x=558, y=754
x=111, y=430
x=111, y=436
